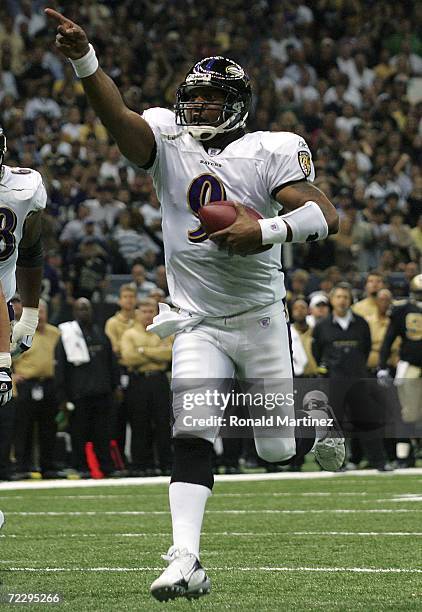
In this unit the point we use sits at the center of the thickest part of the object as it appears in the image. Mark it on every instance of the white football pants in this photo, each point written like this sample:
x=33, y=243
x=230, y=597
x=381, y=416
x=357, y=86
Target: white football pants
x=253, y=348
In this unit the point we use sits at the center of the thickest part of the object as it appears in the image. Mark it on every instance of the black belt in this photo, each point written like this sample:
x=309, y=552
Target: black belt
x=38, y=380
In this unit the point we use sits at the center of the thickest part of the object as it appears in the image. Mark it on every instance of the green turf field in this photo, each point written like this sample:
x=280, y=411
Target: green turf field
x=342, y=543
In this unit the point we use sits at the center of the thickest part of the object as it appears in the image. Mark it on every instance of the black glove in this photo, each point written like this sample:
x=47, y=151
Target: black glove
x=5, y=385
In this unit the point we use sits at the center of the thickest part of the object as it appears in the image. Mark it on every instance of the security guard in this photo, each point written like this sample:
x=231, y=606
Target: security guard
x=36, y=400
x=148, y=395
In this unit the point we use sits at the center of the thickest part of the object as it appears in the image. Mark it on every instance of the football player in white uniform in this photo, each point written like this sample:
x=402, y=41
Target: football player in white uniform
x=231, y=319
x=22, y=197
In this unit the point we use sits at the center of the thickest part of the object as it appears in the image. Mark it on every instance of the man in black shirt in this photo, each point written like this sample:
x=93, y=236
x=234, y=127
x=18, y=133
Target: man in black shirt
x=342, y=341
x=341, y=345
x=87, y=381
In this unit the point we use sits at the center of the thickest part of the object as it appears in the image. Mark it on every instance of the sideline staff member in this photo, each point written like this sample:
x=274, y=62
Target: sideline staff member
x=148, y=395
x=36, y=399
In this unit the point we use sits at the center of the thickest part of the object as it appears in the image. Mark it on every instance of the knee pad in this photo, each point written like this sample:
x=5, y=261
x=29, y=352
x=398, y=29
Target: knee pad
x=275, y=450
x=193, y=461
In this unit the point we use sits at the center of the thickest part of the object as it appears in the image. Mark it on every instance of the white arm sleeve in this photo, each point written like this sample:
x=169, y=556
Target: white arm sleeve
x=306, y=222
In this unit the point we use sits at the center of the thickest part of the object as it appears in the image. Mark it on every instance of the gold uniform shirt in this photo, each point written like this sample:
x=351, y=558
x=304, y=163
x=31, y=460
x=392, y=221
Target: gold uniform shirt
x=311, y=368
x=155, y=355
x=115, y=327
x=366, y=307
x=378, y=327
x=38, y=362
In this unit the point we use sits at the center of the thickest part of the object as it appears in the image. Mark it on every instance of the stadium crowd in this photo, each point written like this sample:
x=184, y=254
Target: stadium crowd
x=347, y=76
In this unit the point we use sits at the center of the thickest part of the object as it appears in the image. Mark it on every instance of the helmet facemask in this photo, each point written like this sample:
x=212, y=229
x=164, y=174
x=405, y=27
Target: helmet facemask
x=233, y=110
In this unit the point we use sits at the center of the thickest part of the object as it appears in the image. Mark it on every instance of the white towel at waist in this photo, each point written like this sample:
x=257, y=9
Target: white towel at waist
x=74, y=343
x=169, y=322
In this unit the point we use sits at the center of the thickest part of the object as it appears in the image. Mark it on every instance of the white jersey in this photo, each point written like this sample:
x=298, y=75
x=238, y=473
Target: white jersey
x=21, y=192
x=201, y=278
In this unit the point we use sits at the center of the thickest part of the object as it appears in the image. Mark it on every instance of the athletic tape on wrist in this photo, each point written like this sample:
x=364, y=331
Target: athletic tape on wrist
x=85, y=66
x=29, y=318
x=5, y=360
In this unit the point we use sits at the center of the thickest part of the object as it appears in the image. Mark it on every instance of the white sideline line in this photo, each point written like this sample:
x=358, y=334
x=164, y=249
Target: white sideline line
x=165, y=494
x=262, y=511
x=364, y=570
x=118, y=482
x=220, y=533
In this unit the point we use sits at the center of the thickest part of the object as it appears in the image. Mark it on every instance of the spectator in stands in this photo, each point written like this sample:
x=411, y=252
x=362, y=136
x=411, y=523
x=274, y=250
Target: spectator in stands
x=131, y=243
x=368, y=305
x=87, y=273
x=71, y=130
x=416, y=235
x=319, y=308
x=105, y=209
x=299, y=311
x=299, y=281
x=142, y=286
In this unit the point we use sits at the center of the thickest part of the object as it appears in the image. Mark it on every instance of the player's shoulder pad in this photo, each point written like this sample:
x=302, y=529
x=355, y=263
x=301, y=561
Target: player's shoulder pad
x=26, y=180
x=287, y=143
x=21, y=170
x=161, y=118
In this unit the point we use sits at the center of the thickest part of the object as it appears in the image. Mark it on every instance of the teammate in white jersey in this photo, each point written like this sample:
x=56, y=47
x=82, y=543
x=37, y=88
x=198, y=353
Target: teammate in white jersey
x=22, y=198
x=231, y=319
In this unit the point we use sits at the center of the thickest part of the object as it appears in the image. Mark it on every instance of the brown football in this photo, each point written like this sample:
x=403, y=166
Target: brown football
x=216, y=216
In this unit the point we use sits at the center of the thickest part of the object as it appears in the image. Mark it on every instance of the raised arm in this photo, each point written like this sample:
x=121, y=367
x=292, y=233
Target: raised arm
x=132, y=134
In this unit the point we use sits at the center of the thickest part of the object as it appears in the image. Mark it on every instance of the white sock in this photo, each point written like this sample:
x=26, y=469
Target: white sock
x=187, y=506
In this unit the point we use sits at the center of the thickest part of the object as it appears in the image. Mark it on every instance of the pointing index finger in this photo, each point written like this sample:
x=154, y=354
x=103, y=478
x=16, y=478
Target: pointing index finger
x=58, y=17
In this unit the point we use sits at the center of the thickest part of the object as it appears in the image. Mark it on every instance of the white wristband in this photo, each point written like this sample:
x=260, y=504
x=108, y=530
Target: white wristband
x=307, y=223
x=274, y=230
x=86, y=65
x=5, y=360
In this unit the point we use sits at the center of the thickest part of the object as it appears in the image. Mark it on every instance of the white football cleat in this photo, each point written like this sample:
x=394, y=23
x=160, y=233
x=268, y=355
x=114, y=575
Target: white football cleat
x=330, y=451
x=184, y=577
x=2, y=519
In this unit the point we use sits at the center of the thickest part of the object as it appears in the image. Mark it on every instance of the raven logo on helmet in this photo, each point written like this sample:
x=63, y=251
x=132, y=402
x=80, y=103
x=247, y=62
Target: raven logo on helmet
x=222, y=74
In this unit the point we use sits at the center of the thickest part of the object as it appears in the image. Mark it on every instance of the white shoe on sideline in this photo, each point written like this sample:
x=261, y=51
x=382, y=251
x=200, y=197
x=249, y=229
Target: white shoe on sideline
x=184, y=577
x=2, y=519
